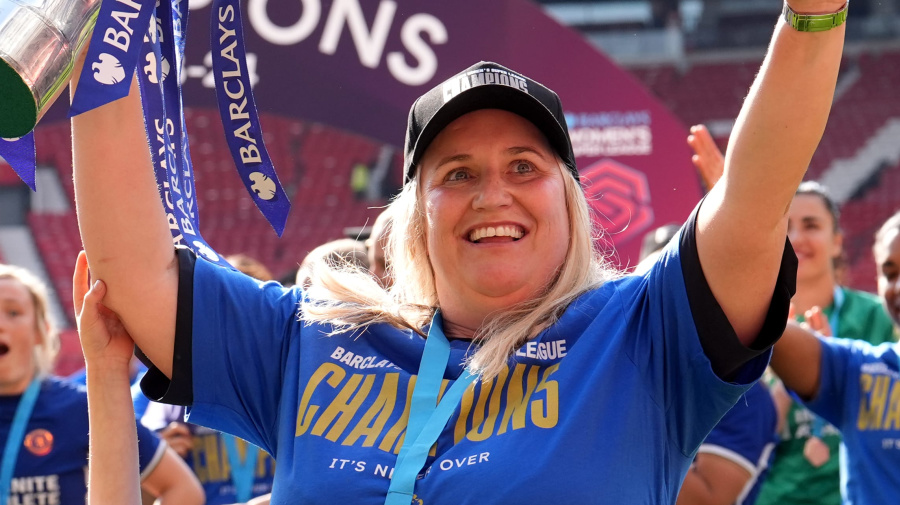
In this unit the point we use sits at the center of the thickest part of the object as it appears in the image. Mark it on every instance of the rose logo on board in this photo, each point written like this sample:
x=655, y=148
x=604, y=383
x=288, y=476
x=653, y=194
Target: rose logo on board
x=39, y=442
x=619, y=197
x=108, y=70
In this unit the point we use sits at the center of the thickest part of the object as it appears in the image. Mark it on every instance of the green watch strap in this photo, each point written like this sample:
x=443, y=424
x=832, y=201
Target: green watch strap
x=814, y=22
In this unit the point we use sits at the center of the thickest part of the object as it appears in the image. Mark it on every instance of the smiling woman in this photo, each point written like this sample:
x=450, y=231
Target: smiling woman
x=855, y=385
x=494, y=184
x=505, y=342
x=806, y=461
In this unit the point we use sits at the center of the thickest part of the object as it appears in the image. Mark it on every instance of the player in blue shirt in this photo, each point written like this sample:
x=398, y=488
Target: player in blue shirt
x=856, y=387
x=508, y=363
x=731, y=463
x=44, y=419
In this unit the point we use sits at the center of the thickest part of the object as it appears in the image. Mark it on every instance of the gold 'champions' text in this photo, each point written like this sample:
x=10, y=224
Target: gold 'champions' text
x=523, y=396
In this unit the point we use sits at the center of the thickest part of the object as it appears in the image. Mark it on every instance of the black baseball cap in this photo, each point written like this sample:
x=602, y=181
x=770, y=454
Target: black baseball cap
x=486, y=85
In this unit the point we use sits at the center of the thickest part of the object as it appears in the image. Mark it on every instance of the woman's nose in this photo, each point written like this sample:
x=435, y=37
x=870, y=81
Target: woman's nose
x=493, y=192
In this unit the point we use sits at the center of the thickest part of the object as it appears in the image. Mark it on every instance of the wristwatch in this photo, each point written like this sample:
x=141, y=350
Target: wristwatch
x=814, y=22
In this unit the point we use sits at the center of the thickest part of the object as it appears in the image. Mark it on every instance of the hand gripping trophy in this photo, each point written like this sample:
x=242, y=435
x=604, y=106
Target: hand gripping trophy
x=39, y=43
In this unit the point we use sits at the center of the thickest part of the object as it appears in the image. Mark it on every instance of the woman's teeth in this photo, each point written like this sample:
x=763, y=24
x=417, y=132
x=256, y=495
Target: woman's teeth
x=496, y=231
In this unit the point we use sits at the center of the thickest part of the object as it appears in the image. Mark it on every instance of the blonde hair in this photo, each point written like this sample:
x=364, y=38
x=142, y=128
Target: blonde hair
x=350, y=300
x=48, y=347
x=340, y=253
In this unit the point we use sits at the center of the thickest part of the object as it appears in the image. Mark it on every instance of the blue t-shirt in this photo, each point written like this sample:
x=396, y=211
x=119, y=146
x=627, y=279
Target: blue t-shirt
x=209, y=458
x=51, y=467
x=608, y=405
x=859, y=392
x=746, y=436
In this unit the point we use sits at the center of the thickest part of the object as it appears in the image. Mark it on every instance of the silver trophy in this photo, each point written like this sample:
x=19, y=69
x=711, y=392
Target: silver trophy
x=39, y=42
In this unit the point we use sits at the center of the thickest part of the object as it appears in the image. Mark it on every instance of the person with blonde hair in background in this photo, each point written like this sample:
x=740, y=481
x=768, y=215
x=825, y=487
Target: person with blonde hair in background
x=377, y=248
x=44, y=419
x=505, y=340
x=340, y=253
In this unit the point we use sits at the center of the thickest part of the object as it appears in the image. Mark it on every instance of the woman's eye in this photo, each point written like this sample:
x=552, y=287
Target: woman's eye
x=457, y=175
x=523, y=167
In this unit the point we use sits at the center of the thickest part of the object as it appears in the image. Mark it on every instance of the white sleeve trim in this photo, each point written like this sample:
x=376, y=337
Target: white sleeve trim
x=157, y=457
x=730, y=455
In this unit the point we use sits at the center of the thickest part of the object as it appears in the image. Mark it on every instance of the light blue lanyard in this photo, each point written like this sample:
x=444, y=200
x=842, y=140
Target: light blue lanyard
x=427, y=417
x=16, y=435
x=836, y=304
x=241, y=471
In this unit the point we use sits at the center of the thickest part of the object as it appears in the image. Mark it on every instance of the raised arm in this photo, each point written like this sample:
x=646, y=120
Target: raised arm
x=742, y=224
x=123, y=226
x=797, y=360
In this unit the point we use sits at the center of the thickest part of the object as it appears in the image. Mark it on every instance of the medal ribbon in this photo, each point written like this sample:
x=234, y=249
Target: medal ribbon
x=17, y=434
x=834, y=319
x=242, y=472
x=427, y=417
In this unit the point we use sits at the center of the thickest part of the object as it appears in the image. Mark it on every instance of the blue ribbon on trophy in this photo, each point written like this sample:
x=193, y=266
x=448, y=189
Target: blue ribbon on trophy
x=113, y=53
x=147, y=35
x=237, y=108
x=163, y=52
x=19, y=153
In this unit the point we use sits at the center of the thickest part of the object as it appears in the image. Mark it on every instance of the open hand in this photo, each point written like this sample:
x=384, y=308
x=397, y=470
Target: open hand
x=708, y=159
x=103, y=337
x=179, y=438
